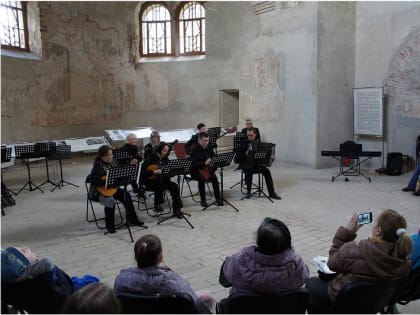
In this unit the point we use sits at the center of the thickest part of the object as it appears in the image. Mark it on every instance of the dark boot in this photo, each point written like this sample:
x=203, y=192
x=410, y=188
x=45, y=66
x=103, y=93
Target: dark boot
x=109, y=219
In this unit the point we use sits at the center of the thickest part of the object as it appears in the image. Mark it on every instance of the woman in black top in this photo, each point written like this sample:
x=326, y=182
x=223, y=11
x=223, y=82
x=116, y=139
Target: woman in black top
x=103, y=162
x=151, y=176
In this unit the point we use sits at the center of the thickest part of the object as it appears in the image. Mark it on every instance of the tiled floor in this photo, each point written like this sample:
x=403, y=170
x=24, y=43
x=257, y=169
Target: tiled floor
x=53, y=223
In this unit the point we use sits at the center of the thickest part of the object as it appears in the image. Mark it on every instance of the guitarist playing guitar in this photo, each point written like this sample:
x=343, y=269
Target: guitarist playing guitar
x=106, y=196
x=151, y=174
x=201, y=156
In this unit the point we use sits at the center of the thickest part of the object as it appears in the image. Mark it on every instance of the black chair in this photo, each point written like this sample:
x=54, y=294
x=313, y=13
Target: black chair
x=89, y=206
x=408, y=291
x=159, y=303
x=364, y=297
x=289, y=302
x=37, y=296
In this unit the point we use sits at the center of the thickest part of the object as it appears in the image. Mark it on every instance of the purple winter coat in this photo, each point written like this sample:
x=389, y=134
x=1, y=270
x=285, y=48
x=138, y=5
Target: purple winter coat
x=250, y=270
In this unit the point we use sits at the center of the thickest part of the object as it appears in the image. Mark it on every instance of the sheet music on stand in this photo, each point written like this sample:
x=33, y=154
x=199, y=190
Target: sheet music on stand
x=238, y=138
x=177, y=167
x=121, y=175
x=221, y=160
x=213, y=136
x=122, y=155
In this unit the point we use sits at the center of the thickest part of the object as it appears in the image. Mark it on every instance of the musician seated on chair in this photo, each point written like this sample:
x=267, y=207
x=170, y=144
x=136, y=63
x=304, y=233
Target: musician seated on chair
x=135, y=156
x=249, y=125
x=150, y=277
x=201, y=157
x=249, y=167
x=151, y=176
x=194, y=139
x=103, y=162
x=381, y=257
x=154, y=141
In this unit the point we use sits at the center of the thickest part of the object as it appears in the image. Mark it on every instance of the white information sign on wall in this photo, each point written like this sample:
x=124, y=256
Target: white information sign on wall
x=368, y=111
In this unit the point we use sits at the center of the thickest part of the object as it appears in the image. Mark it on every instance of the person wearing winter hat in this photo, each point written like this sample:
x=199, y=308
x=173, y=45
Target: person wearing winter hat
x=21, y=263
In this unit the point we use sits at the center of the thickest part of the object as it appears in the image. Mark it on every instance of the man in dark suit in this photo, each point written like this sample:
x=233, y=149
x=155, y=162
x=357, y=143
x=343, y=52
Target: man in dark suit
x=244, y=151
x=249, y=125
x=189, y=146
x=201, y=156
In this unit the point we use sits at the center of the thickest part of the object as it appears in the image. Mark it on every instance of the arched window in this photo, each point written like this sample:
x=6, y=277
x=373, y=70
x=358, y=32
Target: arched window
x=13, y=29
x=156, y=30
x=192, y=25
x=172, y=29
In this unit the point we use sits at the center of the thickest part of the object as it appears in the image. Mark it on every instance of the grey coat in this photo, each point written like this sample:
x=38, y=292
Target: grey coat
x=250, y=270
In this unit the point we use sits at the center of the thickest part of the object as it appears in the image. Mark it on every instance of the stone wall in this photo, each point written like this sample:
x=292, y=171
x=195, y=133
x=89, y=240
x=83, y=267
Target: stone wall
x=294, y=66
x=388, y=55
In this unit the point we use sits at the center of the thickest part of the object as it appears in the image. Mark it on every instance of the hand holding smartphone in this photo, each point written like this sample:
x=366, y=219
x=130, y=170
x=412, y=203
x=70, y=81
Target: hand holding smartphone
x=364, y=218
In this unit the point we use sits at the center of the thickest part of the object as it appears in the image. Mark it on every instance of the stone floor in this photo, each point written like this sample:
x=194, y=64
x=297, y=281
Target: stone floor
x=53, y=223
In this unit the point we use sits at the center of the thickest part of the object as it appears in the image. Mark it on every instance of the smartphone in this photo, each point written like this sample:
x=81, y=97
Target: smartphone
x=364, y=218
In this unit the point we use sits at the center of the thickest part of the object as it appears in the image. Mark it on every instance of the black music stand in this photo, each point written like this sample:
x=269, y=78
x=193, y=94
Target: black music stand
x=27, y=151
x=177, y=167
x=123, y=176
x=45, y=149
x=237, y=140
x=213, y=136
x=221, y=160
x=62, y=152
x=122, y=156
x=6, y=156
x=261, y=158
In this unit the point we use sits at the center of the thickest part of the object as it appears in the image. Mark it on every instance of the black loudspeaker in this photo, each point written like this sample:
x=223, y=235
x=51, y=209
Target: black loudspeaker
x=394, y=163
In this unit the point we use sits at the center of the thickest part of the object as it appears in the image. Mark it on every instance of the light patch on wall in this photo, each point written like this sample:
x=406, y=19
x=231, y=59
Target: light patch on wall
x=403, y=81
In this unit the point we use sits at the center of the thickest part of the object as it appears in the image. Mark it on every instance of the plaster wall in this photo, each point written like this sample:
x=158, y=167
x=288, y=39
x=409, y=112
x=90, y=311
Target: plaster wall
x=292, y=65
x=335, y=77
x=277, y=71
x=388, y=55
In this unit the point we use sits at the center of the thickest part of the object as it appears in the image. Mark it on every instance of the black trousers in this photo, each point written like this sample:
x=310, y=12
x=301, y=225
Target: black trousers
x=128, y=205
x=265, y=172
x=126, y=200
x=202, y=182
x=159, y=186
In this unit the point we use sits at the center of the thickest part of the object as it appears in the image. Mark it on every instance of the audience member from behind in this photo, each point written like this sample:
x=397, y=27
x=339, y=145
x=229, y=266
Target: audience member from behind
x=21, y=263
x=269, y=267
x=382, y=257
x=149, y=277
x=414, y=183
x=33, y=284
x=95, y=298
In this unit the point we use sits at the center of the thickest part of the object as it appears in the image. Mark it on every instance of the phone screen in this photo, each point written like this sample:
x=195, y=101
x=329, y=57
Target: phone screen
x=364, y=218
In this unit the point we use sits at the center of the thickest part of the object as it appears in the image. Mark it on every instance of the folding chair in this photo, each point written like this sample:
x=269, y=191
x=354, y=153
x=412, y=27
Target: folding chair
x=159, y=303
x=289, y=302
x=364, y=297
x=89, y=206
x=179, y=149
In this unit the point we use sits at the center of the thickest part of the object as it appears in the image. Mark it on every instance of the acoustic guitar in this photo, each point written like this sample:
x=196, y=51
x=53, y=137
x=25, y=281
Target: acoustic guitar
x=153, y=167
x=205, y=173
x=107, y=192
